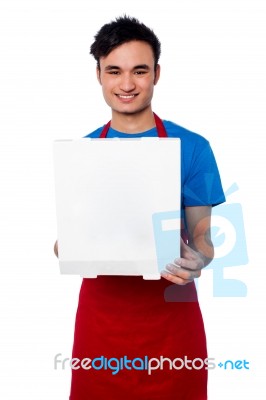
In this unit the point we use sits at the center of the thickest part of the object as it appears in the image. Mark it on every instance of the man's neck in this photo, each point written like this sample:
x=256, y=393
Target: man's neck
x=133, y=123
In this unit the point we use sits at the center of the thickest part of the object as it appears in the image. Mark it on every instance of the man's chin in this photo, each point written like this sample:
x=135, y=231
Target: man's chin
x=130, y=111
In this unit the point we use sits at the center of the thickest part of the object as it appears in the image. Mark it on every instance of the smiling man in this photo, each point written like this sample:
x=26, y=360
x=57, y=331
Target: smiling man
x=122, y=316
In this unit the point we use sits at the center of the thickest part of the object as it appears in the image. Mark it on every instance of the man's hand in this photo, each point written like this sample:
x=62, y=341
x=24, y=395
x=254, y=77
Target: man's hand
x=198, y=253
x=185, y=269
x=56, y=248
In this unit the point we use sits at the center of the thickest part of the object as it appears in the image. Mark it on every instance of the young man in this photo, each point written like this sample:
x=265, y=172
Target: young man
x=120, y=316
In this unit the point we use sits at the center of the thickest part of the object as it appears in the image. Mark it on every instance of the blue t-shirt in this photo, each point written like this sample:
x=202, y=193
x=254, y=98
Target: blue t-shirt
x=200, y=178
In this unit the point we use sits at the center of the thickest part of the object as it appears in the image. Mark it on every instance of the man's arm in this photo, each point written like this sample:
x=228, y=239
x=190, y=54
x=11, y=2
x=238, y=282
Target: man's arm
x=198, y=252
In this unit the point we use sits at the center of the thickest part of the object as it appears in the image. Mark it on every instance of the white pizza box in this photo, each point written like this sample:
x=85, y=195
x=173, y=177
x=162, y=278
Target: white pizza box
x=117, y=205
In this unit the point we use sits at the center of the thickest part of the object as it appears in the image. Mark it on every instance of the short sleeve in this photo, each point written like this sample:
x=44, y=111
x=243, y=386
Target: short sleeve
x=202, y=185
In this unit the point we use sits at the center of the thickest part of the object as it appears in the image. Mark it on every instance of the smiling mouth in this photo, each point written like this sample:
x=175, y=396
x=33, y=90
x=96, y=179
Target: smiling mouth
x=126, y=97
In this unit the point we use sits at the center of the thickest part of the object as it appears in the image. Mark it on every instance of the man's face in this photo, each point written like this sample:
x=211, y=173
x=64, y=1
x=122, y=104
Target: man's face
x=128, y=77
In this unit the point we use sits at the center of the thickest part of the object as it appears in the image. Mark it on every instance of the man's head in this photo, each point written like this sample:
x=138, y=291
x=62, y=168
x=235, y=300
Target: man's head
x=122, y=30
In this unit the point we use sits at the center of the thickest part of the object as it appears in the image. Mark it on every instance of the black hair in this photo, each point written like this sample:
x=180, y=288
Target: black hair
x=123, y=29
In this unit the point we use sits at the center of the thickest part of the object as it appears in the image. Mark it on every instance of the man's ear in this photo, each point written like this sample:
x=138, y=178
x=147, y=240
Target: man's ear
x=98, y=72
x=157, y=73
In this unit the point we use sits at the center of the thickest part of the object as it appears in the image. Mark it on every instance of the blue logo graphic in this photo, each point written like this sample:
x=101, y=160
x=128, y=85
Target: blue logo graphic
x=229, y=240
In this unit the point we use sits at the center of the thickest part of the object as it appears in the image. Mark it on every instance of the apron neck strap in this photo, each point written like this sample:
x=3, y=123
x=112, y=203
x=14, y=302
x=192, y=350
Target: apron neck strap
x=159, y=126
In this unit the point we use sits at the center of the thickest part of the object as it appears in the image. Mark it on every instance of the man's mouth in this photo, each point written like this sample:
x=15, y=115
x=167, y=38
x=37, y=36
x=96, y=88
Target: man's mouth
x=126, y=96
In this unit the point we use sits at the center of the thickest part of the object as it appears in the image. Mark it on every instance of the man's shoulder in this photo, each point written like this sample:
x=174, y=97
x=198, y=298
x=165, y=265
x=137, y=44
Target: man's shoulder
x=178, y=131
x=95, y=134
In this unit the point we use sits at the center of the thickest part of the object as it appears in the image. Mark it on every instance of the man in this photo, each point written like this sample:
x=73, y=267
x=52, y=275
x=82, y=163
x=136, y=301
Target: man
x=122, y=316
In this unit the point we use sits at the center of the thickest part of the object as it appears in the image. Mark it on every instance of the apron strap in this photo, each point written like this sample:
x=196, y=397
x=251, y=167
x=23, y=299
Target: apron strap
x=159, y=125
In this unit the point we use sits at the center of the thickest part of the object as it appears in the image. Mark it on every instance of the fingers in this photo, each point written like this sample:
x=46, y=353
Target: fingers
x=186, y=268
x=178, y=275
x=190, y=259
x=190, y=264
x=175, y=279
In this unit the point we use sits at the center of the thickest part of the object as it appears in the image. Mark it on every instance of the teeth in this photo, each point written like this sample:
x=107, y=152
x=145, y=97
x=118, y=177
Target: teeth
x=126, y=97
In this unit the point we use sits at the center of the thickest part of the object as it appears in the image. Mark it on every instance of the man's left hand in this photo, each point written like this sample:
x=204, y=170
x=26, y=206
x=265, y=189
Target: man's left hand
x=185, y=269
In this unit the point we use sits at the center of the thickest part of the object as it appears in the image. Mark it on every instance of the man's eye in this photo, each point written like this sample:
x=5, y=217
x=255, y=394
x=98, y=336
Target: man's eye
x=140, y=72
x=114, y=72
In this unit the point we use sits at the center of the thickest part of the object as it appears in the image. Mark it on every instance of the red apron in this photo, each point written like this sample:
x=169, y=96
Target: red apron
x=123, y=322
x=159, y=126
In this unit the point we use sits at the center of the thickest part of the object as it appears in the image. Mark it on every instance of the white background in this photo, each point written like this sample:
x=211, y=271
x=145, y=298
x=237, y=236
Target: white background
x=213, y=82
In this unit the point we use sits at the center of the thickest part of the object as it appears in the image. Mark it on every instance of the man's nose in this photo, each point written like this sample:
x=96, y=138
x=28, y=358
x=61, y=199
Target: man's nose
x=127, y=83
